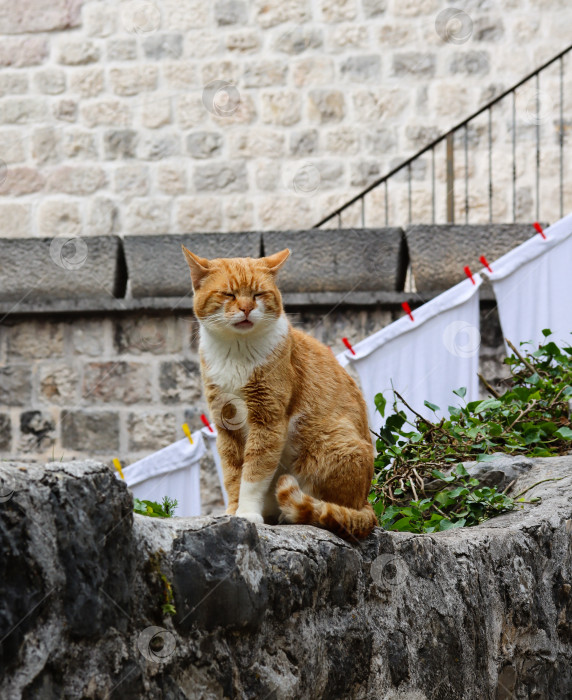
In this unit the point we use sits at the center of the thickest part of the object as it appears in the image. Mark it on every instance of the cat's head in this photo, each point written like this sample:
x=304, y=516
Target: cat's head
x=236, y=295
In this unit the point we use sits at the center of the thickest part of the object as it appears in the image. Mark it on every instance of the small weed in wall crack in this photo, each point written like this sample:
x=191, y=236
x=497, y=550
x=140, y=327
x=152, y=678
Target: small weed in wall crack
x=153, y=568
x=420, y=484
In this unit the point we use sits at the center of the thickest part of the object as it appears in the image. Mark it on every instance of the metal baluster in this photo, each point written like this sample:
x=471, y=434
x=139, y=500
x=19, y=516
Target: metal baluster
x=490, y=165
x=561, y=137
x=513, y=156
x=450, y=178
x=409, y=191
x=433, y=185
x=537, y=146
x=386, y=205
x=363, y=212
x=466, y=173
x=339, y=220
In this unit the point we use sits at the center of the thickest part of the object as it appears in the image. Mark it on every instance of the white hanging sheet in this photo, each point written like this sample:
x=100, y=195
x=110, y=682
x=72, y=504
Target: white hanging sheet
x=533, y=287
x=173, y=471
x=423, y=359
x=211, y=442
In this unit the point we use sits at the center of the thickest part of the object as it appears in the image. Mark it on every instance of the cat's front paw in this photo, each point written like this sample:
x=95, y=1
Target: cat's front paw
x=253, y=517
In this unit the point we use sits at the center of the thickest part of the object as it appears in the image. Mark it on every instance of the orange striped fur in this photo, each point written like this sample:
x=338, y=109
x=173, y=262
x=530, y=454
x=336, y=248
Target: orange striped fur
x=292, y=424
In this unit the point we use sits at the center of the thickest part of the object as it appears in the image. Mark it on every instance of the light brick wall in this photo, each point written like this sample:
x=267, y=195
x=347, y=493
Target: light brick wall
x=107, y=126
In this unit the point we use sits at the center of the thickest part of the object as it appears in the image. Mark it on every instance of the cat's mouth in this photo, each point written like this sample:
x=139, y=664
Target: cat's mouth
x=243, y=324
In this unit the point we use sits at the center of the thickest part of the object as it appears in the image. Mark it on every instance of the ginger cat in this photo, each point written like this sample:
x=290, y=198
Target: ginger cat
x=292, y=424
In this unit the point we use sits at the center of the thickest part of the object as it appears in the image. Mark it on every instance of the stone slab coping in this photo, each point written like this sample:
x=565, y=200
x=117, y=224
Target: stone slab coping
x=46, y=269
x=439, y=252
x=156, y=265
x=334, y=260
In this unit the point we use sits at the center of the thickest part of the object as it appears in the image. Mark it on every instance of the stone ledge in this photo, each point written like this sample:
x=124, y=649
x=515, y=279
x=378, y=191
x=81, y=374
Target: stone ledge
x=39, y=269
x=337, y=260
x=283, y=612
x=439, y=252
x=156, y=265
x=301, y=300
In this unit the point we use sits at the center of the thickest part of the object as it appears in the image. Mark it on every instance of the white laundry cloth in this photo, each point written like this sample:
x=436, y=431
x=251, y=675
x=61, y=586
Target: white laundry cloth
x=423, y=359
x=211, y=442
x=173, y=471
x=533, y=287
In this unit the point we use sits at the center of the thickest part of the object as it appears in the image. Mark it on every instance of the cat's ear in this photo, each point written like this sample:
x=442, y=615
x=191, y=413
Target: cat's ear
x=275, y=262
x=200, y=267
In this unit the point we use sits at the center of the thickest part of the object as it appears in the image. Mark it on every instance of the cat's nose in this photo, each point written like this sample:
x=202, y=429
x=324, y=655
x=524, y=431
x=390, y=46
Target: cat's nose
x=246, y=309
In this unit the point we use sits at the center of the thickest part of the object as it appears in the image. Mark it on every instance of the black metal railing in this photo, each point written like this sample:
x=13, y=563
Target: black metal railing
x=467, y=134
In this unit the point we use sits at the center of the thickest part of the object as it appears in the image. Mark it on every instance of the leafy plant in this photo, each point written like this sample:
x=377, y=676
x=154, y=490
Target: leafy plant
x=411, y=491
x=155, y=510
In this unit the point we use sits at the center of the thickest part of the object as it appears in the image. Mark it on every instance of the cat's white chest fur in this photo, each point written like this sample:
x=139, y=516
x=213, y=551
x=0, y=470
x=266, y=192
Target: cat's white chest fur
x=230, y=360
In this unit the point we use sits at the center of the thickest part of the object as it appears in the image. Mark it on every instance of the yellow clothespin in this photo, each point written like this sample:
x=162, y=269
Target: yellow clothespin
x=187, y=432
x=117, y=465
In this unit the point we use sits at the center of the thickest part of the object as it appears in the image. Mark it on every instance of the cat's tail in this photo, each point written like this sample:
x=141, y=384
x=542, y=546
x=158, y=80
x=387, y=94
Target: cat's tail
x=299, y=507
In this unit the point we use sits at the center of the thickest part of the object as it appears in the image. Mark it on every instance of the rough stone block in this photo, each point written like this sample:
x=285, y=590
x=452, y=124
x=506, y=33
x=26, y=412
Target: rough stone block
x=340, y=260
x=30, y=341
x=162, y=46
x=102, y=219
x=106, y=113
x=22, y=52
x=326, y=106
x=79, y=180
x=64, y=268
x=470, y=63
x=21, y=180
x=180, y=382
x=58, y=384
x=78, y=52
x=116, y=382
x=22, y=110
x=204, y=144
x=15, y=385
x=151, y=215
x=51, y=81
x=133, y=80
x=361, y=69
x=151, y=431
x=89, y=431
x=121, y=50
x=438, y=253
x=265, y=73
x=157, y=335
x=5, y=432
x=119, y=143
x=38, y=15
x=230, y=12
x=202, y=214
x=15, y=221
x=65, y=110
x=157, y=266
x=37, y=431
x=45, y=145
x=223, y=176
x=282, y=108
x=59, y=217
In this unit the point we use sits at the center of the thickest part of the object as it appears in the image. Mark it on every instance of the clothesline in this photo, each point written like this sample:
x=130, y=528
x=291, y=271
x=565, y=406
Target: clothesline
x=428, y=354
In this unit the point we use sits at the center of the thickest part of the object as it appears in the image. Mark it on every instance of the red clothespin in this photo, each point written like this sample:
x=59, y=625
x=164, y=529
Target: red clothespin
x=469, y=274
x=348, y=345
x=205, y=420
x=538, y=227
x=405, y=306
x=486, y=263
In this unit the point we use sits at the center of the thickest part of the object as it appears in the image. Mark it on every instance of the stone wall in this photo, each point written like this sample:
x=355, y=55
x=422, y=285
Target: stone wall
x=277, y=613
x=146, y=116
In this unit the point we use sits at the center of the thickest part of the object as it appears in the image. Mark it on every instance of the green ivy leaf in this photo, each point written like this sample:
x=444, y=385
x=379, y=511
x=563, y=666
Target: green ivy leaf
x=431, y=406
x=380, y=404
x=564, y=433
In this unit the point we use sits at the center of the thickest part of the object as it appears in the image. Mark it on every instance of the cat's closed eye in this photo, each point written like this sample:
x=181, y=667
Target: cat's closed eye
x=230, y=295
